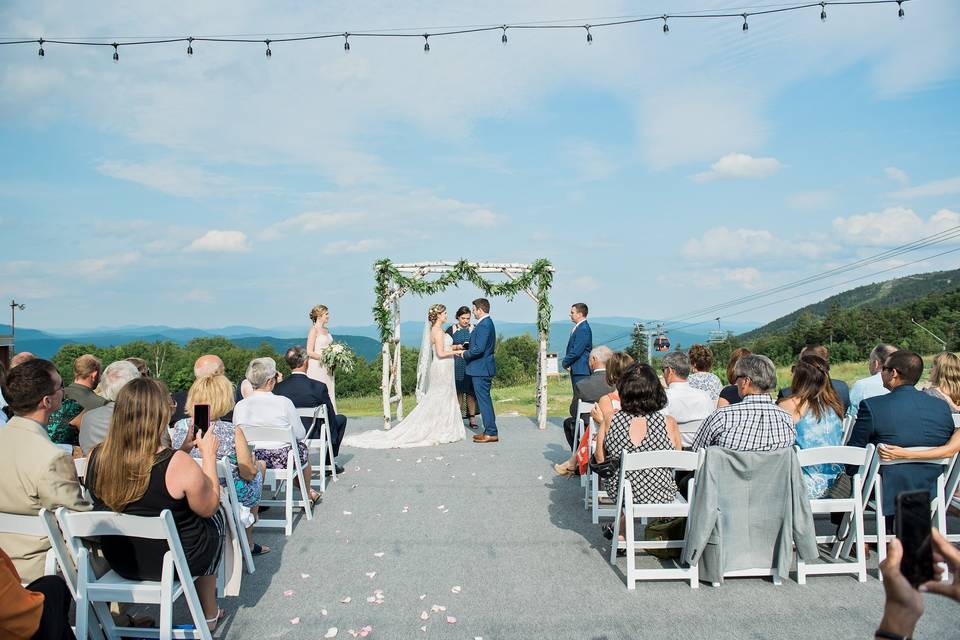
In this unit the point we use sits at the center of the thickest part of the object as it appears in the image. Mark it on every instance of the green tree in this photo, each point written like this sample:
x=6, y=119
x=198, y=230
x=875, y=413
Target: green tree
x=638, y=343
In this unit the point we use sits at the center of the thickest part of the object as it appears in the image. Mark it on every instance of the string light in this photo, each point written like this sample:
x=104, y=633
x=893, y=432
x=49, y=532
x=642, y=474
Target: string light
x=116, y=52
x=900, y=9
x=746, y=27
x=41, y=52
x=269, y=53
x=503, y=38
x=190, y=46
x=666, y=27
x=346, y=42
x=823, y=11
x=426, y=43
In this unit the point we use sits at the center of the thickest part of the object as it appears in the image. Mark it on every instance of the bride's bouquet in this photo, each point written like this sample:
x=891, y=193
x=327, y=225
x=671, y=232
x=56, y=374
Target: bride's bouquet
x=338, y=357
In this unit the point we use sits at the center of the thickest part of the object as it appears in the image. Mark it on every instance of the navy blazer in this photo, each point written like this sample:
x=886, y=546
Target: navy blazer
x=579, y=346
x=483, y=344
x=907, y=418
x=305, y=392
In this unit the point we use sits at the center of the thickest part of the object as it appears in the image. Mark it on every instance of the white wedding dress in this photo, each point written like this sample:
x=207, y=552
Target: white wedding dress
x=435, y=420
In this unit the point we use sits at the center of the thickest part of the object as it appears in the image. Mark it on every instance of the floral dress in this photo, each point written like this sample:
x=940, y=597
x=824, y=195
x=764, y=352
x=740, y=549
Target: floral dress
x=248, y=491
x=58, y=426
x=825, y=432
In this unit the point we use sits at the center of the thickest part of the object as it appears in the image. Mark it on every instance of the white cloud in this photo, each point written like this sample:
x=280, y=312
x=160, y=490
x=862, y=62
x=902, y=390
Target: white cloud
x=811, y=199
x=585, y=284
x=897, y=175
x=312, y=221
x=348, y=246
x=892, y=226
x=946, y=187
x=746, y=277
x=590, y=161
x=739, y=165
x=177, y=180
x=220, y=241
x=106, y=267
x=722, y=246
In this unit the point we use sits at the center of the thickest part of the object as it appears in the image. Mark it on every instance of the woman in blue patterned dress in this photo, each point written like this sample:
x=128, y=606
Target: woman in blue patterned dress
x=818, y=415
x=217, y=392
x=460, y=332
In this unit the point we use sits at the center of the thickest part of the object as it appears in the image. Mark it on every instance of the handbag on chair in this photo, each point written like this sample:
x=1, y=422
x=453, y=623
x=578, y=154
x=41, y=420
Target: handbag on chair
x=606, y=469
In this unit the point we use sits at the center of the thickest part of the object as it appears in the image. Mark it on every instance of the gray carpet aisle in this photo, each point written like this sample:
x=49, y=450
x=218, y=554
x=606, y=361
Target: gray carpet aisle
x=491, y=536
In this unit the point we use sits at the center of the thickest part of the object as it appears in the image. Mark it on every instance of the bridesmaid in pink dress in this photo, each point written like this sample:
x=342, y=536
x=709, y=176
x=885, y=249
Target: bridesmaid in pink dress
x=318, y=338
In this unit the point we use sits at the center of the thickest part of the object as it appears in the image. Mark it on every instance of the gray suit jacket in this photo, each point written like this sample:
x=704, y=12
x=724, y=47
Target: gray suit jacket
x=749, y=509
x=590, y=390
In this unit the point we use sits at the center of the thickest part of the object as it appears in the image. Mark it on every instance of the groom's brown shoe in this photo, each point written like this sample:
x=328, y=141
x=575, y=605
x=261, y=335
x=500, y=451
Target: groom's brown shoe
x=485, y=438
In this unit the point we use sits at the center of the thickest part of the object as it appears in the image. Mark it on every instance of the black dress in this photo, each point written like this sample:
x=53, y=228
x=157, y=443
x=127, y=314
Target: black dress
x=142, y=559
x=730, y=394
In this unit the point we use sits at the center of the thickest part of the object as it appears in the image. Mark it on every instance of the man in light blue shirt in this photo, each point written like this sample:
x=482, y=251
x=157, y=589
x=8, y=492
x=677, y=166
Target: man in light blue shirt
x=872, y=386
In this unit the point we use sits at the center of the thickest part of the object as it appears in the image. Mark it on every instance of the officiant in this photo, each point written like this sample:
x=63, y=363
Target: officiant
x=460, y=332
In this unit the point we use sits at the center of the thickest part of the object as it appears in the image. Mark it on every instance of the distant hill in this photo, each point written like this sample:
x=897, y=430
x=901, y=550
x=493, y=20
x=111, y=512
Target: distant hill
x=879, y=295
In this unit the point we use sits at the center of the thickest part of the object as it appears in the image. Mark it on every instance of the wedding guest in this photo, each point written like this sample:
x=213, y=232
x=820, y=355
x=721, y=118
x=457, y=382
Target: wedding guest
x=304, y=391
x=216, y=392
x=34, y=472
x=817, y=412
x=873, y=385
x=905, y=417
x=20, y=358
x=688, y=406
x=579, y=345
x=64, y=424
x=40, y=610
x=141, y=365
x=95, y=423
x=755, y=423
x=206, y=365
x=729, y=394
x=3, y=403
x=588, y=390
x=460, y=332
x=843, y=391
x=702, y=377
x=640, y=425
x=318, y=339
x=262, y=408
x=945, y=380
x=132, y=472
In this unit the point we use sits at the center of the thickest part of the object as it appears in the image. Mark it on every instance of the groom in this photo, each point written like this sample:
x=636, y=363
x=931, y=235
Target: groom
x=481, y=367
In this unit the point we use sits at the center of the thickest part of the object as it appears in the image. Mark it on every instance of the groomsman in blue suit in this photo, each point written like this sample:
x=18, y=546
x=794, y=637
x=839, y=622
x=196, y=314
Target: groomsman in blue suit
x=481, y=367
x=577, y=358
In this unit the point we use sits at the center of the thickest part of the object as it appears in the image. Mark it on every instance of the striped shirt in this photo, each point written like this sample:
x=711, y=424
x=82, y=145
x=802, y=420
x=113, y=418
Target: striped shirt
x=754, y=424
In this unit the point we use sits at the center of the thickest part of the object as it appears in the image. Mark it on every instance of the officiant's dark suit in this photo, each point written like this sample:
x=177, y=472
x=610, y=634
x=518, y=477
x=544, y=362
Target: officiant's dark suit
x=590, y=389
x=306, y=392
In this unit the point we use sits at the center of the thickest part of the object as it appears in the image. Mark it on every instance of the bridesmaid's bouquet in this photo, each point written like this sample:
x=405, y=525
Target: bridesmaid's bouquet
x=338, y=357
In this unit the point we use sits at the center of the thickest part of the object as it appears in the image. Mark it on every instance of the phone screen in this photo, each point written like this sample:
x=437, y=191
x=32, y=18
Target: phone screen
x=913, y=529
x=201, y=419
x=466, y=345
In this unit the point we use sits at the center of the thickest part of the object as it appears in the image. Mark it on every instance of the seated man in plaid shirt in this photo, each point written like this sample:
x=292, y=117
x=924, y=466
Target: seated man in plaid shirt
x=756, y=423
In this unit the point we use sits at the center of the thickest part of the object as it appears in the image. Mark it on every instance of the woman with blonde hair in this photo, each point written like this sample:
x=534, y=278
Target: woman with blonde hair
x=318, y=339
x=132, y=472
x=217, y=393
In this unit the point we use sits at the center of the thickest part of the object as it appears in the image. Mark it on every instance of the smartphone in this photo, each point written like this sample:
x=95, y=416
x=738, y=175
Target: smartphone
x=466, y=345
x=201, y=419
x=912, y=526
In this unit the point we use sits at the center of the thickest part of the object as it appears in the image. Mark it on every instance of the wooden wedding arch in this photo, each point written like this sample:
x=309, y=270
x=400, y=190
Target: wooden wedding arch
x=395, y=280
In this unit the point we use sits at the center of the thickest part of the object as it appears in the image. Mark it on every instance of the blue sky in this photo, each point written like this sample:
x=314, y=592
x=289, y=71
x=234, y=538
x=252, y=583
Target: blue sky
x=660, y=173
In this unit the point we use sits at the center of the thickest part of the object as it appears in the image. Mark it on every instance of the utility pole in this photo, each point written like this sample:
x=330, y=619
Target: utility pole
x=13, y=320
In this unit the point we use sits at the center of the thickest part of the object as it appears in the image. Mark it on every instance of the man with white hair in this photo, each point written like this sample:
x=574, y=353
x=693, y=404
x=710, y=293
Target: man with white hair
x=688, y=406
x=95, y=423
x=589, y=389
x=20, y=358
x=872, y=386
x=206, y=365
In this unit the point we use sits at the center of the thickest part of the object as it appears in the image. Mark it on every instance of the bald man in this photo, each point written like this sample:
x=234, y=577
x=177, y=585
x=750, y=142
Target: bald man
x=206, y=365
x=20, y=358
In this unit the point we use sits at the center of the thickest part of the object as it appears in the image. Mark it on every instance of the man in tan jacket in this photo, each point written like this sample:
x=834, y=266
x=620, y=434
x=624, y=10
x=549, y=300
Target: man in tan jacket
x=34, y=472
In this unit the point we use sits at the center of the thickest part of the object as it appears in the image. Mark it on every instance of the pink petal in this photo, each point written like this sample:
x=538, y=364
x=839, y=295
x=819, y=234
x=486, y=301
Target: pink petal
x=295, y=620
x=331, y=633
x=451, y=620
x=424, y=615
x=370, y=574
x=346, y=600
x=423, y=628
x=288, y=592
x=304, y=576
x=378, y=554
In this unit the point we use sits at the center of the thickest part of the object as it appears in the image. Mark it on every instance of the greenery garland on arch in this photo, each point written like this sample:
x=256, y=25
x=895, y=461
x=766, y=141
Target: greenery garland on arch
x=539, y=273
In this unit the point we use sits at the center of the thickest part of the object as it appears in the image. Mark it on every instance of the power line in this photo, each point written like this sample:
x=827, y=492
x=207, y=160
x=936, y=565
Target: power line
x=426, y=33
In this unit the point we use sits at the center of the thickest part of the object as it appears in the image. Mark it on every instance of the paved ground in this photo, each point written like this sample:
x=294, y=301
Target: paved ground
x=493, y=523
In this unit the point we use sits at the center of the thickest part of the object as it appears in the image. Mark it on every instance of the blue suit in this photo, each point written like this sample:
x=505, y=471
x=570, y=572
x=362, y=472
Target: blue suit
x=577, y=358
x=481, y=367
x=307, y=392
x=907, y=418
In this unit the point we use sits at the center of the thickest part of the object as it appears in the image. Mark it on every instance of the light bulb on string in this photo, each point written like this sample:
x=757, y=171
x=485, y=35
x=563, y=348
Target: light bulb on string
x=823, y=11
x=589, y=35
x=900, y=9
x=346, y=42
x=116, y=52
x=190, y=46
x=503, y=38
x=426, y=43
x=269, y=53
x=666, y=27
x=746, y=27
x=41, y=53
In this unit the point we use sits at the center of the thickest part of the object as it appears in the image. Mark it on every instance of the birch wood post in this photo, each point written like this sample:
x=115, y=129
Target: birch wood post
x=542, y=383
x=396, y=356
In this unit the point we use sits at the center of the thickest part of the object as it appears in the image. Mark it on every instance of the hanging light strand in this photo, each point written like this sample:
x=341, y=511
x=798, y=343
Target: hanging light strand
x=410, y=33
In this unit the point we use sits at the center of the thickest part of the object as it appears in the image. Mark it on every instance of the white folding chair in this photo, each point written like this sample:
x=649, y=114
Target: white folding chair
x=688, y=431
x=945, y=497
x=847, y=428
x=852, y=506
x=12, y=523
x=232, y=504
x=679, y=508
x=175, y=581
x=593, y=492
x=81, y=466
x=322, y=445
x=281, y=479
x=956, y=421
x=579, y=428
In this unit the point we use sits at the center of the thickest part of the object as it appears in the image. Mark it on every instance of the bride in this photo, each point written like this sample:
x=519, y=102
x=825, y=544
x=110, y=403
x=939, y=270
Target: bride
x=436, y=418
